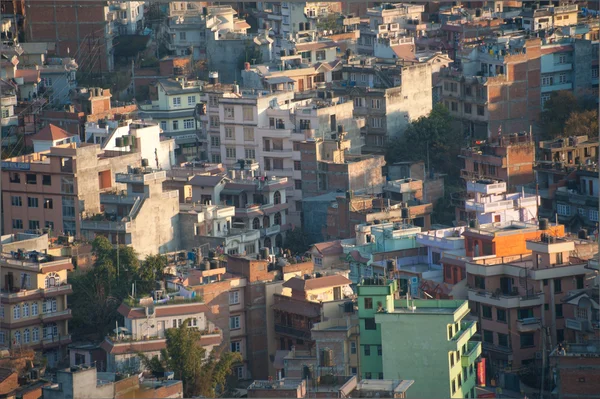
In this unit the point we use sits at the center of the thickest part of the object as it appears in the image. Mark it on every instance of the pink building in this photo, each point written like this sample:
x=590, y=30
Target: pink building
x=51, y=190
x=518, y=298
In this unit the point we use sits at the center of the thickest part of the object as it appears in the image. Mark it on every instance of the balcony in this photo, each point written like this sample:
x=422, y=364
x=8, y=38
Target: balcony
x=136, y=178
x=497, y=206
x=274, y=132
x=473, y=352
x=117, y=199
x=270, y=231
x=287, y=172
x=558, y=67
x=506, y=301
x=529, y=324
x=557, y=87
x=279, y=153
x=54, y=341
x=467, y=330
x=105, y=225
x=243, y=235
x=54, y=316
x=15, y=297
x=488, y=189
x=292, y=332
x=36, y=266
x=8, y=101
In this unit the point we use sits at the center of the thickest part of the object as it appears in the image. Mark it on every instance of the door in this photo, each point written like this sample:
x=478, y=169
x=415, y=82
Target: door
x=161, y=329
x=332, y=123
x=337, y=293
x=267, y=145
x=300, y=84
x=9, y=281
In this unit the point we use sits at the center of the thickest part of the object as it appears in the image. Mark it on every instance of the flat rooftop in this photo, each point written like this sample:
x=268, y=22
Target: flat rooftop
x=392, y=386
x=428, y=306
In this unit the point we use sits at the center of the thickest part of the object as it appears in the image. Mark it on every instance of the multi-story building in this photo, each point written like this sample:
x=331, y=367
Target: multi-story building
x=430, y=329
x=173, y=105
x=576, y=200
x=34, y=309
x=575, y=366
x=8, y=119
x=490, y=203
x=143, y=215
x=213, y=225
x=263, y=280
x=374, y=295
x=296, y=313
x=127, y=17
x=51, y=190
x=546, y=18
x=509, y=159
x=52, y=136
x=184, y=29
x=260, y=205
x=388, y=98
x=147, y=320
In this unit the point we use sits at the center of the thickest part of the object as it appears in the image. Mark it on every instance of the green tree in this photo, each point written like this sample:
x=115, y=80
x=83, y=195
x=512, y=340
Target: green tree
x=251, y=54
x=582, y=123
x=432, y=136
x=201, y=375
x=297, y=241
x=559, y=108
x=329, y=22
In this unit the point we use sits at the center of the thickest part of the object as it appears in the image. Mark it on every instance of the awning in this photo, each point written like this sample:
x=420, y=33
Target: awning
x=279, y=79
x=299, y=308
x=231, y=191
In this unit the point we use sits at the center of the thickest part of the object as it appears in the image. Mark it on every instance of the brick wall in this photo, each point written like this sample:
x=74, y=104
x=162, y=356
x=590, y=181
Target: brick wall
x=578, y=376
x=9, y=384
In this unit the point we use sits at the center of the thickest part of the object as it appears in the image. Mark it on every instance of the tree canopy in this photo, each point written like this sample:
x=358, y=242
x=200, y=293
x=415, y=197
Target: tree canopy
x=297, y=241
x=201, y=375
x=434, y=135
x=565, y=114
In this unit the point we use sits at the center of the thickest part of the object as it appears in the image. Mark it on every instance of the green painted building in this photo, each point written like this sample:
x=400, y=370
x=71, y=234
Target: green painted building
x=374, y=294
x=428, y=341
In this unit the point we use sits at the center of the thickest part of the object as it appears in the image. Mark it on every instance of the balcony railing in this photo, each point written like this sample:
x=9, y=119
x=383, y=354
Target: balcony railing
x=291, y=331
x=50, y=315
x=56, y=340
x=528, y=324
x=473, y=352
x=269, y=231
x=105, y=225
x=50, y=291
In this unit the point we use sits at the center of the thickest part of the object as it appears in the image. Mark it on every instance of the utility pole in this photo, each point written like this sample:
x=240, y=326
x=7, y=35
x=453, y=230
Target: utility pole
x=133, y=76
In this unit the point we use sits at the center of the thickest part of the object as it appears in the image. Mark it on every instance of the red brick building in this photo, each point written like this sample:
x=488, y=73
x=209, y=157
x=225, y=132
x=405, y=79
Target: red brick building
x=577, y=371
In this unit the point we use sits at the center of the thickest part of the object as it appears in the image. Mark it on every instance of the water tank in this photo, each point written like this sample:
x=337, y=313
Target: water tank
x=318, y=275
x=132, y=142
x=405, y=214
x=213, y=78
x=205, y=265
x=246, y=66
x=544, y=224
x=376, y=221
x=582, y=234
x=391, y=265
x=474, y=224
x=145, y=162
x=119, y=142
x=214, y=264
x=264, y=253
x=125, y=141
x=211, y=254
x=327, y=358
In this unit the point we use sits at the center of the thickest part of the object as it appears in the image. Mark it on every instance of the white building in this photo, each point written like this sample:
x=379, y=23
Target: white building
x=130, y=135
x=51, y=136
x=127, y=17
x=147, y=320
x=491, y=203
x=173, y=106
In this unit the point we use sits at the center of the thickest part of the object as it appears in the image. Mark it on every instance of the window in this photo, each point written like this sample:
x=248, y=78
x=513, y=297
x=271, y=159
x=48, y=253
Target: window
x=353, y=370
x=35, y=334
x=486, y=312
x=234, y=297
x=579, y=282
x=480, y=110
x=367, y=349
x=230, y=153
x=277, y=219
x=376, y=103
x=527, y=340
x=379, y=350
x=182, y=35
x=352, y=347
x=488, y=337
x=16, y=312
x=563, y=209
x=32, y=202
x=560, y=335
x=228, y=113
x=48, y=203
x=491, y=170
x=368, y=376
x=453, y=387
x=16, y=201
x=236, y=346
x=234, y=322
x=15, y=178
x=277, y=198
x=547, y=80
x=213, y=101
x=298, y=184
x=297, y=165
x=370, y=324
x=2, y=337
x=34, y=309
x=248, y=113
x=501, y=315
x=163, y=125
x=376, y=122
x=26, y=336
x=545, y=97
x=34, y=225
x=52, y=280
x=454, y=106
x=17, y=337
x=467, y=108
x=229, y=132
x=503, y=340
x=318, y=261
x=557, y=285
x=215, y=141
x=368, y=303
x=1, y=311
x=216, y=158
x=46, y=180
x=188, y=124
x=177, y=101
x=562, y=78
x=175, y=125
x=191, y=100
x=248, y=134
x=17, y=224
x=250, y=153
x=359, y=102
x=25, y=310
x=31, y=178
x=249, y=249
x=593, y=215
x=558, y=310
x=381, y=376
x=214, y=121
x=68, y=207
x=452, y=359
x=524, y=313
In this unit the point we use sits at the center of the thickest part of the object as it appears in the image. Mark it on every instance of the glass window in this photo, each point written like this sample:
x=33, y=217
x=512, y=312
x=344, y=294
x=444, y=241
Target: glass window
x=527, y=340
x=501, y=315
x=557, y=285
x=503, y=340
x=368, y=303
x=234, y=322
x=486, y=312
x=370, y=323
x=488, y=336
x=248, y=134
x=234, y=297
x=46, y=180
x=367, y=349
